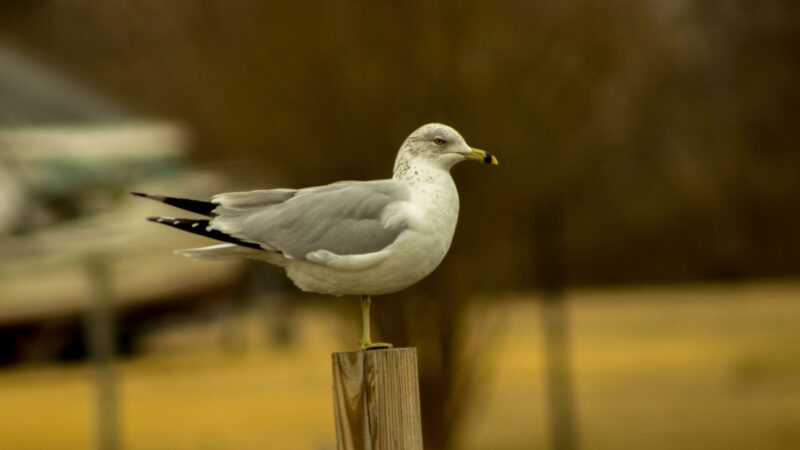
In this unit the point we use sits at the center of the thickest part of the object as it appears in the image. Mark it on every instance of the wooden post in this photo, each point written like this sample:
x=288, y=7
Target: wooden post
x=376, y=400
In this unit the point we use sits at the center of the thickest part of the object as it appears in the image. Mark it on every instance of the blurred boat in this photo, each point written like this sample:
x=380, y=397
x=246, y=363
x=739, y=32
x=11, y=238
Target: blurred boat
x=43, y=273
x=68, y=158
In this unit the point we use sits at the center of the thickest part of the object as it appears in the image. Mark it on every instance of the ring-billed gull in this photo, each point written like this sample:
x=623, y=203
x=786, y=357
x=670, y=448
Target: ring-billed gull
x=347, y=238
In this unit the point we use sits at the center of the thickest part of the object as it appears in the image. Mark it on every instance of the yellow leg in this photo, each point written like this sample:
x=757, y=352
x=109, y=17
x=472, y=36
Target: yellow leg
x=366, y=341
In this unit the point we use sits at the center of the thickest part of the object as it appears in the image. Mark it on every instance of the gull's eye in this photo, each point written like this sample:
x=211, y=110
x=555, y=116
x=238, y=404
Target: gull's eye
x=439, y=141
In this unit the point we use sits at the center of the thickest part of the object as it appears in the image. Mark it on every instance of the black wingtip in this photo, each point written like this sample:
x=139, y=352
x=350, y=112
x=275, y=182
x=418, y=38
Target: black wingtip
x=195, y=206
x=202, y=228
x=159, y=198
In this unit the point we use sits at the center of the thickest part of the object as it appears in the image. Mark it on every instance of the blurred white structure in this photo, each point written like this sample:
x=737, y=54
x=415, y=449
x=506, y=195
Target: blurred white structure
x=68, y=158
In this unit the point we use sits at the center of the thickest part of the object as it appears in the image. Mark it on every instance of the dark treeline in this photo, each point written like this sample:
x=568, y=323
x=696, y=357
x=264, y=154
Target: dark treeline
x=665, y=131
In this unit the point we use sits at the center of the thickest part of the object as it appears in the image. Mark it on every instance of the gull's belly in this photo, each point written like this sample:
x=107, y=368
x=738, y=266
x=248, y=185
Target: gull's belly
x=412, y=257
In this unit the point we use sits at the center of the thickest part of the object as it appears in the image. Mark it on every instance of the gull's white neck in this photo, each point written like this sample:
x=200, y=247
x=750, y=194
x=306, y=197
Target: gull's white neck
x=420, y=170
x=435, y=194
x=432, y=212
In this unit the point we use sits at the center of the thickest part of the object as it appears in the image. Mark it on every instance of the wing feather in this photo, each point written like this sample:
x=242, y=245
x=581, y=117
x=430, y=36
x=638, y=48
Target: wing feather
x=344, y=218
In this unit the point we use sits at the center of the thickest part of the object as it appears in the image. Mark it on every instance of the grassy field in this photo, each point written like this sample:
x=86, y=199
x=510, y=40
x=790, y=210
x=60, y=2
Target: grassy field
x=692, y=367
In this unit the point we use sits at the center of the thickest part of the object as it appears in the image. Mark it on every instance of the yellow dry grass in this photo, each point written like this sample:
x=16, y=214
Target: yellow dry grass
x=656, y=368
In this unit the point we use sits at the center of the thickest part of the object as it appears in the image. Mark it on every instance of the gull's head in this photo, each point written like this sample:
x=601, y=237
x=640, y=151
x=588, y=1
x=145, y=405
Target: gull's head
x=442, y=146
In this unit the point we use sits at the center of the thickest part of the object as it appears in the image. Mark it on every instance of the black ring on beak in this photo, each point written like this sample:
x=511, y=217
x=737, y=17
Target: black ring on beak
x=488, y=158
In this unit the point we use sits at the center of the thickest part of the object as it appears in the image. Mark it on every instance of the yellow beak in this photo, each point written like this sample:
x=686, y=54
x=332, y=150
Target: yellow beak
x=481, y=155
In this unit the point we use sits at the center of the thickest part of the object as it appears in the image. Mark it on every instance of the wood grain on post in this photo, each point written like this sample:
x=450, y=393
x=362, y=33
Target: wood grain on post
x=376, y=400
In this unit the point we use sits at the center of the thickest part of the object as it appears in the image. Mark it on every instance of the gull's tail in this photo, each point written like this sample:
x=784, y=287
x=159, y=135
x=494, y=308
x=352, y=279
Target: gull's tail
x=224, y=251
x=232, y=246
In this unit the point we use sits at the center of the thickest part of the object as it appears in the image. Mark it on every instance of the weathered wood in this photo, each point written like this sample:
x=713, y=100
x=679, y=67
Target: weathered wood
x=376, y=400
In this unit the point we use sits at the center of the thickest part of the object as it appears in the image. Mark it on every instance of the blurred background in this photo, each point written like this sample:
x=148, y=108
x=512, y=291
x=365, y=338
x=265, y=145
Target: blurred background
x=627, y=278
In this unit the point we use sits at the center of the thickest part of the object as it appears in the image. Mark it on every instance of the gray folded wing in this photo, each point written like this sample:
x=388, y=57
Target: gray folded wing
x=344, y=218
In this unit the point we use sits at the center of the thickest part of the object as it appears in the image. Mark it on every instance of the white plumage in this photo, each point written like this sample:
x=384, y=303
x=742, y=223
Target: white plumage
x=351, y=237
